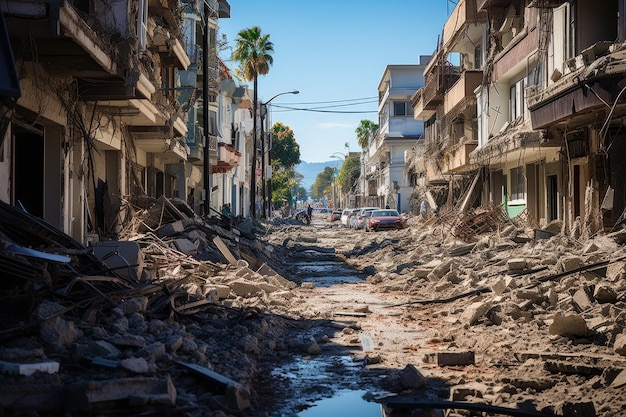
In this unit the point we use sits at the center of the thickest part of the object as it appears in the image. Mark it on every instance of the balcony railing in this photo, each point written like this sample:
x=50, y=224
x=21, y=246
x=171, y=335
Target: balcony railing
x=464, y=12
x=463, y=88
x=457, y=158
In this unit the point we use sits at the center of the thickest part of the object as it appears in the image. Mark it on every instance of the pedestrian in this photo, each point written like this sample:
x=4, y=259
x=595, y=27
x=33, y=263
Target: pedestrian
x=309, y=211
x=226, y=211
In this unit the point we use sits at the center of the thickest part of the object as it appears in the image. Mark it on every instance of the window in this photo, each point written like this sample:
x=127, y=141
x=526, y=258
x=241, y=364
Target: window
x=400, y=108
x=518, y=183
x=478, y=62
x=516, y=100
x=142, y=24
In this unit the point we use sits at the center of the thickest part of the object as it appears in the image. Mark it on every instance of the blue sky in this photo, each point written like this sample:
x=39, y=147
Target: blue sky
x=334, y=53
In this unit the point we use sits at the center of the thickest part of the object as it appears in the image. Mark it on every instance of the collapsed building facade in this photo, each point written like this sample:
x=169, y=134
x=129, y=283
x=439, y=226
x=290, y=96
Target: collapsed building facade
x=112, y=102
x=523, y=107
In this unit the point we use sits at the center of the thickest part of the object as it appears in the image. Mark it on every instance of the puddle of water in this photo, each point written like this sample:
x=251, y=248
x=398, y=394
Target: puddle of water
x=327, y=273
x=330, y=281
x=344, y=404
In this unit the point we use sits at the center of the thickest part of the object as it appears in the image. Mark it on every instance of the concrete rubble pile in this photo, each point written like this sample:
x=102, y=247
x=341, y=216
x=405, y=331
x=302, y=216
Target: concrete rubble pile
x=540, y=314
x=170, y=318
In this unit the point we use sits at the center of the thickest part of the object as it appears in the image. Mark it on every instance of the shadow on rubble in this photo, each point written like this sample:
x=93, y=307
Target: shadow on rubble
x=170, y=320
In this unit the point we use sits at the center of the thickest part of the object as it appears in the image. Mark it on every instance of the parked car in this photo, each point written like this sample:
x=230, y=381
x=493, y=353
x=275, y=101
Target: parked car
x=362, y=215
x=335, y=215
x=346, y=214
x=384, y=219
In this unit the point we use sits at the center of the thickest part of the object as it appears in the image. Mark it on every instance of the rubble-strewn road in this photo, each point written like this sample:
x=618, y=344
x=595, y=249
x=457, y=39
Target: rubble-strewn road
x=475, y=320
x=211, y=329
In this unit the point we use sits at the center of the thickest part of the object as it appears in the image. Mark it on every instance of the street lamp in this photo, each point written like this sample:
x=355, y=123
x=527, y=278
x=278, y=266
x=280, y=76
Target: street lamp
x=263, y=112
x=337, y=157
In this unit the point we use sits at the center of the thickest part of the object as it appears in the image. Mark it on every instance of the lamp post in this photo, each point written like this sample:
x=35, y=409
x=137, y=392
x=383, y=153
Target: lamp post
x=206, y=160
x=343, y=158
x=263, y=111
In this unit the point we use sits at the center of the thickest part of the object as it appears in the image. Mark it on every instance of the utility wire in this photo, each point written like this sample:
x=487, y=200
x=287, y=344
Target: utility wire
x=369, y=100
x=319, y=109
x=323, y=111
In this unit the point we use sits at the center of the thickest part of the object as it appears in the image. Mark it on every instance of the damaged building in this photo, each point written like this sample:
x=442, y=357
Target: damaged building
x=521, y=108
x=111, y=102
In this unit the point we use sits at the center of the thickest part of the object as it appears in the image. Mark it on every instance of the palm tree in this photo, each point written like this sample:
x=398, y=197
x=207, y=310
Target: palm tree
x=253, y=51
x=365, y=132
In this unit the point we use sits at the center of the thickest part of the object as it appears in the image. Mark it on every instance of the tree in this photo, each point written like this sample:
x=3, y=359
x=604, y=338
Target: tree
x=253, y=51
x=285, y=185
x=285, y=149
x=349, y=173
x=365, y=132
x=323, y=185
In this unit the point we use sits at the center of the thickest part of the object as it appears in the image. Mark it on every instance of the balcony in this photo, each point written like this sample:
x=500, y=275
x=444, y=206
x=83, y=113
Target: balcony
x=462, y=90
x=71, y=48
x=171, y=50
x=434, y=173
x=457, y=158
x=513, y=57
x=463, y=14
x=484, y=4
x=419, y=110
x=227, y=158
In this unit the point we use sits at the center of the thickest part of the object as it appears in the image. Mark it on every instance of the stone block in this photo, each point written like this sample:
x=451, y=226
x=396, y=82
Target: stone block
x=569, y=263
x=185, y=246
x=582, y=300
x=616, y=271
x=462, y=392
x=412, y=378
x=620, y=344
x=475, y=311
x=463, y=358
x=170, y=229
x=136, y=365
x=138, y=391
x=516, y=264
x=572, y=325
x=605, y=294
x=244, y=288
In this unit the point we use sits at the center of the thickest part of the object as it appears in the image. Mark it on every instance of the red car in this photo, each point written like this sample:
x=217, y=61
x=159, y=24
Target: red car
x=385, y=219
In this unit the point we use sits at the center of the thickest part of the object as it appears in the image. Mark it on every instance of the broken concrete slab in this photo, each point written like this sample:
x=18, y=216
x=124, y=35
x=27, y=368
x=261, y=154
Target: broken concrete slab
x=570, y=325
x=475, y=311
x=237, y=396
x=27, y=369
x=449, y=358
x=138, y=391
x=185, y=246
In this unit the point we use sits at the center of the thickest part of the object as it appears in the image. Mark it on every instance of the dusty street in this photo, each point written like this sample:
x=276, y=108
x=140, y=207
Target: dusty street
x=273, y=317
x=497, y=322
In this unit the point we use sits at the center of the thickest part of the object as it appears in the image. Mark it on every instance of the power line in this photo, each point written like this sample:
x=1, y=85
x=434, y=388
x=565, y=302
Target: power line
x=323, y=111
x=369, y=100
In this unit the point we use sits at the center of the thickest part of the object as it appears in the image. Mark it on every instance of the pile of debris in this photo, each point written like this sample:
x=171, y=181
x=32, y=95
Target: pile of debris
x=546, y=313
x=125, y=327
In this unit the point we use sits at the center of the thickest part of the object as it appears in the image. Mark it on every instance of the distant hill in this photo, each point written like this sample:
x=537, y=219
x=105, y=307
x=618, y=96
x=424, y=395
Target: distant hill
x=310, y=170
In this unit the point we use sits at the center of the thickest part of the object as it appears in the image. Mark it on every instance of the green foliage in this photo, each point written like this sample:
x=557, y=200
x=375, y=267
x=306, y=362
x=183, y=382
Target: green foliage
x=285, y=184
x=349, y=173
x=323, y=185
x=285, y=150
x=253, y=51
x=365, y=132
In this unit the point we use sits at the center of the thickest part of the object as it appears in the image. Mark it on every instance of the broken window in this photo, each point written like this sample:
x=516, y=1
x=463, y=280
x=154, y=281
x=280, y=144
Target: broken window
x=518, y=184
